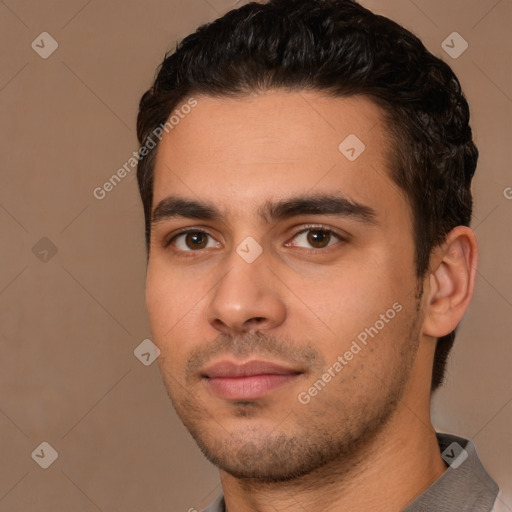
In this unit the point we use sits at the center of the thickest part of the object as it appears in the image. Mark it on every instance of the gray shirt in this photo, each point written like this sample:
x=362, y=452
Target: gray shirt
x=465, y=486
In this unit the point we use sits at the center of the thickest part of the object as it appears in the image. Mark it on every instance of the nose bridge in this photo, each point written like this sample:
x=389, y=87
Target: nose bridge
x=246, y=295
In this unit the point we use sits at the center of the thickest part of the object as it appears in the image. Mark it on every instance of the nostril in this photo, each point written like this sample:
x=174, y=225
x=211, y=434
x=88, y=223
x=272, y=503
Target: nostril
x=255, y=322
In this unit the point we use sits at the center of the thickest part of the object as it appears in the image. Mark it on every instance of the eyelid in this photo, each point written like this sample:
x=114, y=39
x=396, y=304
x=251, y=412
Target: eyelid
x=305, y=227
x=168, y=240
x=320, y=227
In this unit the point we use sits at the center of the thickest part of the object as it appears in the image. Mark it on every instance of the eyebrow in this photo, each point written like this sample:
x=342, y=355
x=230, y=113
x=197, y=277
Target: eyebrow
x=310, y=204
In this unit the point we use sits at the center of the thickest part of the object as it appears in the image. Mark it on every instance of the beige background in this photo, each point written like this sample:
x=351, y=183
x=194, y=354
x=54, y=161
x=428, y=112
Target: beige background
x=69, y=325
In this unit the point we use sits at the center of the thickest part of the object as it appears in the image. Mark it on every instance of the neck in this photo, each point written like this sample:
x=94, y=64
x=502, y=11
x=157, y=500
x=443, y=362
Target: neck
x=385, y=474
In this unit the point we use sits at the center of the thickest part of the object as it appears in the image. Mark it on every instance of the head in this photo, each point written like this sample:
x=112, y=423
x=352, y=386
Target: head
x=260, y=96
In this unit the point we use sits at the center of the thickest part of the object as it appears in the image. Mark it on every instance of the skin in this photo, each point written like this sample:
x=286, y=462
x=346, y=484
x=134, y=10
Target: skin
x=365, y=441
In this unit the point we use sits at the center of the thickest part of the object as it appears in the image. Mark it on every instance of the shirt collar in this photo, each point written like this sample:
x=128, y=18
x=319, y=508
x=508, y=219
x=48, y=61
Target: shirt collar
x=464, y=486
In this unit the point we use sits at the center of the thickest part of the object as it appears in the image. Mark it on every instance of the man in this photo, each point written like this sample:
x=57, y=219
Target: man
x=305, y=174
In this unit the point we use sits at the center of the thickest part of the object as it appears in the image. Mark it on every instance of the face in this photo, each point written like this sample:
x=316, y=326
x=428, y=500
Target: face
x=281, y=286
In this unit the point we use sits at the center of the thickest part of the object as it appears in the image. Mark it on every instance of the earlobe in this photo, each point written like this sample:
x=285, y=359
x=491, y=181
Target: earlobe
x=451, y=282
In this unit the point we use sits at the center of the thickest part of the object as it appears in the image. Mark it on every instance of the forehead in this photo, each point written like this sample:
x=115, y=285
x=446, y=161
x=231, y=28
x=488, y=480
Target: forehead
x=239, y=153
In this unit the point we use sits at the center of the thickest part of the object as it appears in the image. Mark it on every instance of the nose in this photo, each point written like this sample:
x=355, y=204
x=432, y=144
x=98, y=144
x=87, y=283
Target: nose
x=247, y=297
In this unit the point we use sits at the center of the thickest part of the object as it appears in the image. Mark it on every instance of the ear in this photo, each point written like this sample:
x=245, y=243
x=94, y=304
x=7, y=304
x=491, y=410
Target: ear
x=451, y=282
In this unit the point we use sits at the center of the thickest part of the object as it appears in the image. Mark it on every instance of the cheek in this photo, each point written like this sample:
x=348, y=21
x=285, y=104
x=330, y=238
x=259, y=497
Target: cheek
x=166, y=306
x=175, y=306
x=160, y=302
x=169, y=297
x=353, y=296
x=367, y=311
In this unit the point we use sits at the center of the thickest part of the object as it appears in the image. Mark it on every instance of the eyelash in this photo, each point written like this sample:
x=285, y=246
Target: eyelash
x=305, y=230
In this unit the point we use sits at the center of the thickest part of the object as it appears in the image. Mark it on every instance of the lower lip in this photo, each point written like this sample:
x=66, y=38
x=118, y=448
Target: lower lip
x=247, y=388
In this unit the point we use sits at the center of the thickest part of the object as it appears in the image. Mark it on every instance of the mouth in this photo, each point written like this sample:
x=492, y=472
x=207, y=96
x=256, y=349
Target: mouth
x=247, y=381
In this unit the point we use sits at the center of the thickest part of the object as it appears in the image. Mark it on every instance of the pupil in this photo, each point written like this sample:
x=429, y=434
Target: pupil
x=318, y=238
x=195, y=240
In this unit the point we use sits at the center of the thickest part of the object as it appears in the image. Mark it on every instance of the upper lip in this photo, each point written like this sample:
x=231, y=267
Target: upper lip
x=228, y=368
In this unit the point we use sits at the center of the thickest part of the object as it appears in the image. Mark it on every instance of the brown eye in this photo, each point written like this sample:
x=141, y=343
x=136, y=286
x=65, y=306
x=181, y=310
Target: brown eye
x=315, y=238
x=318, y=238
x=196, y=240
x=189, y=241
